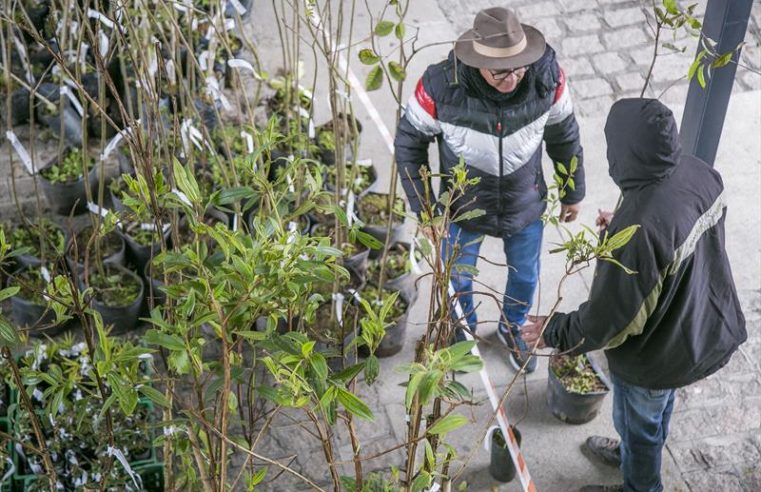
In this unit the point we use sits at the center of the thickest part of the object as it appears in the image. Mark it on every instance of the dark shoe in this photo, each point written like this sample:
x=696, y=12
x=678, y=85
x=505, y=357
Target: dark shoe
x=604, y=449
x=602, y=488
x=519, y=351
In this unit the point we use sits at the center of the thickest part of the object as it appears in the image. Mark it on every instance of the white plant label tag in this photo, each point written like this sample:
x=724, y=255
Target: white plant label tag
x=487, y=437
x=103, y=44
x=94, y=14
x=182, y=196
x=171, y=74
x=339, y=298
x=350, y=216
x=240, y=63
x=95, y=209
x=249, y=143
x=74, y=101
x=288, y=179
x=112, y=144
x=238, y=7
x=21, y=151
x=203, y=60
x=24, y=59
x=413, y=261
x=45, y=274
x=117, y=453
x=312, y=131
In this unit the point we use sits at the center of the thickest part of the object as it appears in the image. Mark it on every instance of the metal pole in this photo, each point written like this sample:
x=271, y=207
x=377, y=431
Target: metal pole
x=725, y=23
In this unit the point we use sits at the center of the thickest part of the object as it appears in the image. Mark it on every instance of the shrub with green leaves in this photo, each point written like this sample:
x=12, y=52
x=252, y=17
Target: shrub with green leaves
x=71, y=168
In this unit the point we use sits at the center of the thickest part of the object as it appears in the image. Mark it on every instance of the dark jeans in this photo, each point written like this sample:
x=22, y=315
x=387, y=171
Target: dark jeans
x=641, y=417
x=522, y=254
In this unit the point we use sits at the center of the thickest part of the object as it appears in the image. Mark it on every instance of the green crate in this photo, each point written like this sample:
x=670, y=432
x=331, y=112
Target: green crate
x=153, y=476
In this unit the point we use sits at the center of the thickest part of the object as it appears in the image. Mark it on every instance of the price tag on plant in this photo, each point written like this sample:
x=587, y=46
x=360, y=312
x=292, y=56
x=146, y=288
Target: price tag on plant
x=339, y=300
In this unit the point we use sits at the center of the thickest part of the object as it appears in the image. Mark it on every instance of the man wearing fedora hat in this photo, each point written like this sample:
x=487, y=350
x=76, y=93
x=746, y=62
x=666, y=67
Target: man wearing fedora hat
x=492, y=102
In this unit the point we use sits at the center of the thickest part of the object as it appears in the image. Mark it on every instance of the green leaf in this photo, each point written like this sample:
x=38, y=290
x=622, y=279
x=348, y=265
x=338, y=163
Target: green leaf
x=8, y=334
x=354, y=405
x=561, y=168
x=461, y=349
x=154, y=395
x=319, y=365
x=671, y=6
x=228, y=196
x=372, y=369
x=447, y=424
x=368, y=57
x=701, y=77
x=470, y=214
x=257, y=478
x=186, y=182
x=723, y=59
x=348, y=374
x=399, y=31
x=9, y=292
x=421, y=482
x=397, y=71
x=384, y=28
x=621, y=238
x=171, y=342
x=429, y=384
x=469, y=363
x=374, y=79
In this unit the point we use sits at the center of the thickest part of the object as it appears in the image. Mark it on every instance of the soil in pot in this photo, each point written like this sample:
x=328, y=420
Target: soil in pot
x=576, y=388
x=42, y=239
x=110, y=248
x=398, y=265
x=66, y=180
x=396, y=321
x=117, y=295
x=501, y=466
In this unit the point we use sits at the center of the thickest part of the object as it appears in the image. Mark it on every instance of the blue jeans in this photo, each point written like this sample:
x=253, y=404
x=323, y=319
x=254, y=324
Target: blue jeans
x=522, y=251
x=641, y=417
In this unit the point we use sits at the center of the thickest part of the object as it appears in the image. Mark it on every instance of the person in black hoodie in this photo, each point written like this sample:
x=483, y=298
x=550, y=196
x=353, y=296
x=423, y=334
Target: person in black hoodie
x=677, y=319
x=492, y=103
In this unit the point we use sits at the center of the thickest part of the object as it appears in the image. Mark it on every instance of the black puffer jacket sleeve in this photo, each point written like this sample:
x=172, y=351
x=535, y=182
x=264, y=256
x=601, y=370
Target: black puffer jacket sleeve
x=561, y=134
x=417, y=129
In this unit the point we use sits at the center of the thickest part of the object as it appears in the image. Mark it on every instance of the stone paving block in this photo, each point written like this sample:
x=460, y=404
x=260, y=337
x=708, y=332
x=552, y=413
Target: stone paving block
x=576, y=5
x=739, y=418
x=750, y=476
x=591, y=88
x=608, y=63
x=577, y=66
x=725, y=480
x=583, y=22
x=624, y=17
x=714, y=453
x=642, y=56
x=595, y=107
x=550, y=29
x=671, y=67
x=630, y=82
x=687, y=425
x=718, y=390
x=625, y=38
x=580, y=45
x=752, y=350
x=536, y=10
x=751, y=81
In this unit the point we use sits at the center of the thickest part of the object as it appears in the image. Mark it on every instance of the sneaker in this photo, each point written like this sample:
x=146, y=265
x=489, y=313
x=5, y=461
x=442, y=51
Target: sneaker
x=519, y=351
x=602, y=488
x=604, y=449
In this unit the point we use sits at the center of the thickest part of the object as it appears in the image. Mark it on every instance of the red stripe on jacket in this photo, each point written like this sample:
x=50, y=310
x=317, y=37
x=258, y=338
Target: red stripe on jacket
x=561, y=86
x=425, y=100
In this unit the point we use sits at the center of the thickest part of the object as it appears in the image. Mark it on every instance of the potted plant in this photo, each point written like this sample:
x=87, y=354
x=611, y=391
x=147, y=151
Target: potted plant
x=501, y=466
x=355, y=253
x=375, y=210
x=109, y=248
x=143, y=241
x=67, y=179
x=398, y=270
x=39, y=240
x=576, y=388
x=29, y=308
x=359, y=177
x=396, y=327
x=117, y=294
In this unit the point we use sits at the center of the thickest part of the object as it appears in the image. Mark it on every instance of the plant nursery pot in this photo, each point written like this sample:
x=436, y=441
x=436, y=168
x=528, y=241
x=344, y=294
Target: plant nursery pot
x=140, y=254
x=571, y=407
x=357, y=264
x=501, y=466
x=118, y=258
x=123, y=318
x=379, y=232
x=72, y=195
x=19, y=107
x=393, y=341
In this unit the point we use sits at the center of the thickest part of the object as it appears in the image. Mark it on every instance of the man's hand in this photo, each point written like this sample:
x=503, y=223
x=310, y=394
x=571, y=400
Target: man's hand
x=568, y=213
x=603, y=219
x=531, y=330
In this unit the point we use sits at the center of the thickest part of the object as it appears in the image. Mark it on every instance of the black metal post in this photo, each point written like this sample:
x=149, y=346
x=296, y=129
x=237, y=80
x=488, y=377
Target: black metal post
x=725, y=23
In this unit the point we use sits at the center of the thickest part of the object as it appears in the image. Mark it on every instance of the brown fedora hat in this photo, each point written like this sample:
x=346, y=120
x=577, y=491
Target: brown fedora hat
x=499, y=41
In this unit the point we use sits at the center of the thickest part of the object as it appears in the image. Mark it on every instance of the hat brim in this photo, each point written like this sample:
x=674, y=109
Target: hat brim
x=535, y=46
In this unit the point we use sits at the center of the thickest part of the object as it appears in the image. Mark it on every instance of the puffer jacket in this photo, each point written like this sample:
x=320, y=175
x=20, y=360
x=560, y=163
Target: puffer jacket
x=677, y=319
x=500, y=142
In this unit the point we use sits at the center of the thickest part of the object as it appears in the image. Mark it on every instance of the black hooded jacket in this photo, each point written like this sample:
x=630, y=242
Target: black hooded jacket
x=498, y=136
x=678, y=318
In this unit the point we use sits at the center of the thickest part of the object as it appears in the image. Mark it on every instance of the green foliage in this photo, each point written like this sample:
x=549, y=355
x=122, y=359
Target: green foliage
x=71, y=168
x=36, y=238
x=114, y=287
x=576, y=374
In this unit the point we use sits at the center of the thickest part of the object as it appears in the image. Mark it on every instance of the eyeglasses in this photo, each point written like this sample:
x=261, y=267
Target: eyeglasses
x=503, y=74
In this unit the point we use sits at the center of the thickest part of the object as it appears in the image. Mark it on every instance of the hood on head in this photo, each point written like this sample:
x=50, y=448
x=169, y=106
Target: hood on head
x=643, y=142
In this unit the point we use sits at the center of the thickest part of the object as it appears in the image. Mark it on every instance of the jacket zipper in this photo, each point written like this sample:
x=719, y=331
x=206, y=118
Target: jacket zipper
x=499, y=183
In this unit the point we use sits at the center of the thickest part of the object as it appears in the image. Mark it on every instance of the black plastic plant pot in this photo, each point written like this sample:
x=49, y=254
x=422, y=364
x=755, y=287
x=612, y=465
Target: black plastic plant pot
x=59, y=119
x=118, y=258
x=140, y=254
x=19, y=106
x=123, y=318
x=393, y=341
x=379, y=233
x=501, y=466
x=357, y=264
x=71, y=196
x=32, y=316
x=571, y=407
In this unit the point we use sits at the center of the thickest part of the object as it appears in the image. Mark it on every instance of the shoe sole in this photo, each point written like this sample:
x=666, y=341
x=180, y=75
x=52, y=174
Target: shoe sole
x=510, y=355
